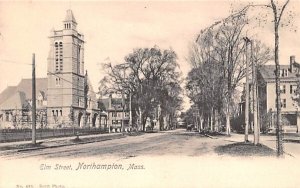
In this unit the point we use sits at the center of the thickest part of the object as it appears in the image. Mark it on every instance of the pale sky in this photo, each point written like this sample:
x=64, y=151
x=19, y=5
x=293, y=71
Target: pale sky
x=111, y=29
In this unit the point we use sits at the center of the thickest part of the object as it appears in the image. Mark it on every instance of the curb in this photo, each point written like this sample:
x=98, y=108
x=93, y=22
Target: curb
x=71, y=144
x=105, y=138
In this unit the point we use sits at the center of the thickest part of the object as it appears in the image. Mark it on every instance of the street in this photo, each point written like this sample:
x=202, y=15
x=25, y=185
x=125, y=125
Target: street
x=175, y=143
x=171, y=155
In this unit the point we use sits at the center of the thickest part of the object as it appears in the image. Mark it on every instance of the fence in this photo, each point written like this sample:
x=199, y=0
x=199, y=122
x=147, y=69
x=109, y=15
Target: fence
x=11, y=135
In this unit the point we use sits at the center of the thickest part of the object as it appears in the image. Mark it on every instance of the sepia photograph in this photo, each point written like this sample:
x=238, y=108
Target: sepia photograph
x=149, y=94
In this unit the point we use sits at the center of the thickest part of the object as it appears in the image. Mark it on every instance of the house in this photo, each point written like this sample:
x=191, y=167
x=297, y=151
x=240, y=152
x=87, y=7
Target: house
x=267, y=94
x=65, y=98
x=118, y=114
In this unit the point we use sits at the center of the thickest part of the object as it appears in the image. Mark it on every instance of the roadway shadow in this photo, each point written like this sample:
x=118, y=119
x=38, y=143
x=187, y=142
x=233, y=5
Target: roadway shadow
x=242, y=149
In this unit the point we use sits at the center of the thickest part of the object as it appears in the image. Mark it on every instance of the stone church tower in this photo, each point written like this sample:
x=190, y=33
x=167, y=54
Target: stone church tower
x=66, y=78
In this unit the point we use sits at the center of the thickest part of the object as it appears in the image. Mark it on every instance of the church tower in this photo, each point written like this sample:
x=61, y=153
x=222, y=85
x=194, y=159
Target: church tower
x=66, y=77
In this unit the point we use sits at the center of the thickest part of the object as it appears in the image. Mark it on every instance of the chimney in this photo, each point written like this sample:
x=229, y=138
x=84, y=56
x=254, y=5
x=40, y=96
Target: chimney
x=292, y=61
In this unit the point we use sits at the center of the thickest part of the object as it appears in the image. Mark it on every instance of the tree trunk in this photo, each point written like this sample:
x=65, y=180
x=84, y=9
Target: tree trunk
x=279, y=136
x=216, y=125
x=278, y=102
x=227, y=117
x=247, y=96
x=140, y=119
x=211, y=119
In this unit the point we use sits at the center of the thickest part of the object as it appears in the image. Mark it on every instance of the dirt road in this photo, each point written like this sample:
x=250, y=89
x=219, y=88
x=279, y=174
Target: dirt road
x=176, y=142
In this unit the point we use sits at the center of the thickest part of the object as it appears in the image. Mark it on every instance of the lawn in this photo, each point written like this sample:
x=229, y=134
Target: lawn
x=245, y=150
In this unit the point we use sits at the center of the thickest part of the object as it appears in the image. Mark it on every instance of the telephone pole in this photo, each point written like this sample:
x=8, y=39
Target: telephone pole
x=254, y=92
x=33, y=101
x=130, y=109
x=246, y=39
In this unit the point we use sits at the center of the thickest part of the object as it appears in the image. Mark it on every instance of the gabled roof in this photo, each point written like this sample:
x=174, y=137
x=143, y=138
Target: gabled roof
x=70, y=16
x=7, y=93
x=25, y=86
x=16, y=101
x=268, y=73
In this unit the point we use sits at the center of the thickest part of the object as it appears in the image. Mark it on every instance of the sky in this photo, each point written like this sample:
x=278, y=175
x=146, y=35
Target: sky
x=112, y=30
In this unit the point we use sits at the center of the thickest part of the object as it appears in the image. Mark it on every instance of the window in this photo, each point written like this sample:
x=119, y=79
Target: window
x=282, y=89
x=6, y=116
x=53, y=112
x=58, y=56
x=78, y=59
x=114, y=114
x=60, y=112
x=293, y=89
x=283, y=103
x=283, y=73
x=57, y=81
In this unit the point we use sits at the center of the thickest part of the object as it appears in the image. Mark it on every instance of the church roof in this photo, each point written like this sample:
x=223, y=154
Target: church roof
x=25, y=86
x=70, y=16
x=16, y=101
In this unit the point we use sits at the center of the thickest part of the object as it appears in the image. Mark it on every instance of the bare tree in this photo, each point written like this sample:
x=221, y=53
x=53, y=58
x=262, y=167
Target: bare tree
x=278, y=12
x=205, y=87
x=150, y=76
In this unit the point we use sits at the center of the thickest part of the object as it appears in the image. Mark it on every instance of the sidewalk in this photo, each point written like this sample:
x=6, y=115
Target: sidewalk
x=58, y=142
x=291, y=143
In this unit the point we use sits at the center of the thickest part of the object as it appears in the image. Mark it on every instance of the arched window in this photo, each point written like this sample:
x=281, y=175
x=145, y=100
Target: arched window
x=58, y=56
x=78, y=59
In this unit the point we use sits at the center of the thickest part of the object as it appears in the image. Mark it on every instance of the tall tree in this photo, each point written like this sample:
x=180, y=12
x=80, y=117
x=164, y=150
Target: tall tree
x=223, y=44
x=277, y=13
x=222, y=47
x=147, y=74
x=205, y=86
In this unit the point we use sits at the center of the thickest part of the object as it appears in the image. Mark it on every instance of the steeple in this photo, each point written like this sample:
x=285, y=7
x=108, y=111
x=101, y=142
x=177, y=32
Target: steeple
x=70, y=22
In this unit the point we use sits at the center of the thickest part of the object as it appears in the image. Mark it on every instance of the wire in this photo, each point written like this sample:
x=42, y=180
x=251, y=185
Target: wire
x=13, y=62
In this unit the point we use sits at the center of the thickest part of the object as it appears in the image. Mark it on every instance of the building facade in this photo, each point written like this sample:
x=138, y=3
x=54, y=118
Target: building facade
x=118, y=113
x=66, y=97
x=66, y=77
x=267, y=94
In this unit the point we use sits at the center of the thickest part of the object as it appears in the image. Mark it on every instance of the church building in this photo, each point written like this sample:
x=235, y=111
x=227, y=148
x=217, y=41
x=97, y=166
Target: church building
x=66, y=97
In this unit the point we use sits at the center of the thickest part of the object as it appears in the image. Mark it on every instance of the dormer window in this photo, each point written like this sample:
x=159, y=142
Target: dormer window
x=283, y=73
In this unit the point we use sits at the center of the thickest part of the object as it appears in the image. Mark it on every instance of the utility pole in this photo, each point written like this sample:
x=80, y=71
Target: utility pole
x=254, y=92
x=33, y=102
x=130, y=108
x=246, y=39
